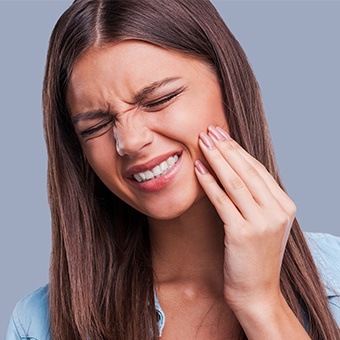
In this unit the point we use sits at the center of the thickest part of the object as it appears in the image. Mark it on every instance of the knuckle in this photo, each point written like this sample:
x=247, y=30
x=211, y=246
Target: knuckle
x=228, y=147
x=235, y=145
x=292, y=209
x=222, y=199
x=237, y=183
x=209, y=180
x=258, y=165
x=252, y=172
x=282, y=220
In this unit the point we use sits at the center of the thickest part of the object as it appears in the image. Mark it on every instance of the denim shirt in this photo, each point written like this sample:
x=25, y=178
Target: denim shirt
x=30, y=318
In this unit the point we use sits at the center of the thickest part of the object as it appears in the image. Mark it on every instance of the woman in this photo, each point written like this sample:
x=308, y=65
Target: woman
x=163, y=224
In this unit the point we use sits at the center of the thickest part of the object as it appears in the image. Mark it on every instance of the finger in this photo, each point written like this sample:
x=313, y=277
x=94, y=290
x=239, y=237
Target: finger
x=249, y=175
x=280, y=195
x=222, y=203
x=234, y=187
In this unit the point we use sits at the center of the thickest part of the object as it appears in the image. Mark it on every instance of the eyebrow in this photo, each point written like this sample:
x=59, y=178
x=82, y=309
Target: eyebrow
x=89, y=115
x=142, y=94
x=151, y=88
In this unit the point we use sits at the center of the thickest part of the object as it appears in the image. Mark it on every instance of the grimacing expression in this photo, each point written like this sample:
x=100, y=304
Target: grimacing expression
x=137, y=110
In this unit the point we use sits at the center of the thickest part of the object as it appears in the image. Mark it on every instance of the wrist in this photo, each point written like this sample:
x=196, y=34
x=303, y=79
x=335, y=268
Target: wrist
x=252, y=303
x=260, y=307
x=269, y=318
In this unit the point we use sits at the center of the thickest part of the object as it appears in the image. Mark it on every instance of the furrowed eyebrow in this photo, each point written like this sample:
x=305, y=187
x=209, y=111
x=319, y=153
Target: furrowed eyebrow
x=151, y=88
x=89, y=115
x=142, y=94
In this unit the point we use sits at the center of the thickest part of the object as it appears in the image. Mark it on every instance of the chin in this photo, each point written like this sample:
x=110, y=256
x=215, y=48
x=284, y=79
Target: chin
x=166, y=214
x=171, y=209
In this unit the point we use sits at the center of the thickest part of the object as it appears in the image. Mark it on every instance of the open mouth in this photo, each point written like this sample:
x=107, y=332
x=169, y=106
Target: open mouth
x=158, y=170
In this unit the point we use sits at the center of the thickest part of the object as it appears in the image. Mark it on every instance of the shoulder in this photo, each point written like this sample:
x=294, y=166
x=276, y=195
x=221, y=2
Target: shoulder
x=325, y=249
x=30, y=317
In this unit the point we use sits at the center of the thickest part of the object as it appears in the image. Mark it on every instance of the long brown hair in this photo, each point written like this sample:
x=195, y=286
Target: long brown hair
x=101, y=276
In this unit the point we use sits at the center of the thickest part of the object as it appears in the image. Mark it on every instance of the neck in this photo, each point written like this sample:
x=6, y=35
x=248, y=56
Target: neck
x=187, y=251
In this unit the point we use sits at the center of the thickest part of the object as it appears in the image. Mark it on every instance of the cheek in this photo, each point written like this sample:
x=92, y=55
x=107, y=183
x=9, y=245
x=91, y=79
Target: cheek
x=186, y=118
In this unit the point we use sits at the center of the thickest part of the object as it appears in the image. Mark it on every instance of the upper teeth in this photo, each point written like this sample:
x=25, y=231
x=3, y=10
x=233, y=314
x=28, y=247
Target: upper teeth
x=157, y=171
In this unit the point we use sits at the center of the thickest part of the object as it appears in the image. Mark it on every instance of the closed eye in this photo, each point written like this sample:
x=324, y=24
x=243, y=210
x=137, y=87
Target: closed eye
x=155, y=105
x=92, y=131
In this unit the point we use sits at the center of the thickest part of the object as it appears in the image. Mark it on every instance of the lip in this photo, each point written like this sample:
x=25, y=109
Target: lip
x=160, y=182
x=150, y=164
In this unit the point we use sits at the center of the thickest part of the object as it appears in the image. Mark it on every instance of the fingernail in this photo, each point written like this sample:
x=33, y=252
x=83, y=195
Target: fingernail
x=216, y=134
x=200, y=167
x=223, y=132
x=207, y=140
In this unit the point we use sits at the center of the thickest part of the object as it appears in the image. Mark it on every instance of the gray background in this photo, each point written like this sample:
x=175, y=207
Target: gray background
x=293, y=47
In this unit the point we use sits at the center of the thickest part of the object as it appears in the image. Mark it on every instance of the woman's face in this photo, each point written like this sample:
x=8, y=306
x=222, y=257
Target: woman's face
x=138, y=109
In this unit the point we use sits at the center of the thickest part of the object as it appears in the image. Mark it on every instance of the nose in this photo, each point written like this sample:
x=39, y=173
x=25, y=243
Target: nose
x=131, y=135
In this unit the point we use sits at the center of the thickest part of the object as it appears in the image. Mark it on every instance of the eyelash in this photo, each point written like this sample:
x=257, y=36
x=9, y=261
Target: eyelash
x=150, y=105
x=91, y=131
x=162, y=101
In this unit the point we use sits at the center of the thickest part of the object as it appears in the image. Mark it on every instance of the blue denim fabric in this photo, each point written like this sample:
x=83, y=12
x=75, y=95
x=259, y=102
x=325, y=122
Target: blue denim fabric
x=325, y=249
x=30, y=318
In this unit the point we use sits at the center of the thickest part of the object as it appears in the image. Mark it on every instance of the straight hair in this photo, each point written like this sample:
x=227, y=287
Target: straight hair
x=101, y=275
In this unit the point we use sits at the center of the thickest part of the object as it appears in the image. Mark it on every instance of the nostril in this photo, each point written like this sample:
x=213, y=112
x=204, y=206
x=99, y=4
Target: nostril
x=131, y=138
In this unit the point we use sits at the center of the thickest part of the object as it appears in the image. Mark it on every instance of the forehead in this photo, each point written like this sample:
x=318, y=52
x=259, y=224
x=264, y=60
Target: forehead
x=117, y=71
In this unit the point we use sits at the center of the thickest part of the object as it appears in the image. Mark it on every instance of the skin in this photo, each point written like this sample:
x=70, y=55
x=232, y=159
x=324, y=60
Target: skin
x=219, y=229
x=140, y=134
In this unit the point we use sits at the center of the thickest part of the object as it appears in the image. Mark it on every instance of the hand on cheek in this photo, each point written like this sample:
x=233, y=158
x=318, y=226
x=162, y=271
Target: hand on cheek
x=257, y=216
